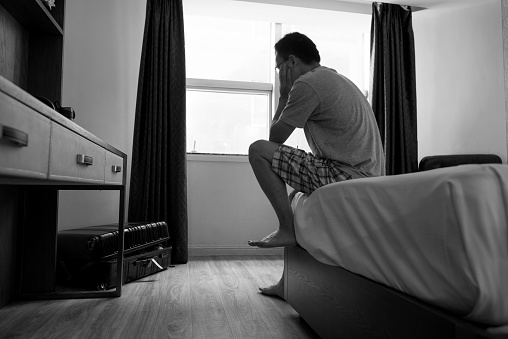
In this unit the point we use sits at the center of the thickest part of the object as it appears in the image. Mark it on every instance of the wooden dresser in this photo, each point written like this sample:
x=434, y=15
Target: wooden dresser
x=42, y=153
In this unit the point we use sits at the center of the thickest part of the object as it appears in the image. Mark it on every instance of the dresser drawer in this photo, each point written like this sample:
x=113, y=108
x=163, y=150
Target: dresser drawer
x=24, y=140
x=74, y=158
x=114, y=169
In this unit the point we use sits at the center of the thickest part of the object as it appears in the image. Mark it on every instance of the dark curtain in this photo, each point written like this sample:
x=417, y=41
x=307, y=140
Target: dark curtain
x=393, y=92
x=158, y=187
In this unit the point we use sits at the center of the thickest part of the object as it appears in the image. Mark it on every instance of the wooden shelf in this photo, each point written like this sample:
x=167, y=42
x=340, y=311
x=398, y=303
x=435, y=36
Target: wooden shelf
x=33, y=42
x=34, y=15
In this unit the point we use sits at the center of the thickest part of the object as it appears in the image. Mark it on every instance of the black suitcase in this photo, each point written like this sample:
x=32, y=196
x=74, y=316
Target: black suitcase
x=101, y=242
x=87, y=256
x=101, y=274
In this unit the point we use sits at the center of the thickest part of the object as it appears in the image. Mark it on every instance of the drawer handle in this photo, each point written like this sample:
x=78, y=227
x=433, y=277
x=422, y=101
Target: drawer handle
x=84, y=159
x=14, y=135
x=116, y=169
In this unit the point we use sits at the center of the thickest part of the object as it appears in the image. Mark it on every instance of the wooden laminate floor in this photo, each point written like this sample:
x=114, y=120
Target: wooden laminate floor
x=210, y=297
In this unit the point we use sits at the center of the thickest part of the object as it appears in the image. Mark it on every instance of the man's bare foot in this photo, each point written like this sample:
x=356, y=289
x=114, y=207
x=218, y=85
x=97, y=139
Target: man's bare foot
x=276, y=290
x=273, y=291
x=275, y=239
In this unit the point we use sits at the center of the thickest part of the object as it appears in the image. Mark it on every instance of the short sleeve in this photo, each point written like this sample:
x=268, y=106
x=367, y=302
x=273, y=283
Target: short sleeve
x=302, y=103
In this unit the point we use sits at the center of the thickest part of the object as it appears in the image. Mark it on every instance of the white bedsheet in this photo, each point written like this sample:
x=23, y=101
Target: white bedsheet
x=439, y=235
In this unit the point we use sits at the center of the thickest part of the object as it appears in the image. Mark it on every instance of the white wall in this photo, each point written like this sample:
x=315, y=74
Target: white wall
x=460, y=80
x=102, y=51
x=226, y=205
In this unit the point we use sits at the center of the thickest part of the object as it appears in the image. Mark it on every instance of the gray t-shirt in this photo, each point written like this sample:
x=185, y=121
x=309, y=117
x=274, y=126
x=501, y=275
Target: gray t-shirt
x=337, y=120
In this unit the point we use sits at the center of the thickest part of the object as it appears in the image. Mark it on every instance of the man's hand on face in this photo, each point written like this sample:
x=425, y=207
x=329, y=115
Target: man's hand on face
x=286, y=80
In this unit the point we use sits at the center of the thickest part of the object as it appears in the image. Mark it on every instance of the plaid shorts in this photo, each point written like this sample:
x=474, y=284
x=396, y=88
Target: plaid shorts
x=304, y=172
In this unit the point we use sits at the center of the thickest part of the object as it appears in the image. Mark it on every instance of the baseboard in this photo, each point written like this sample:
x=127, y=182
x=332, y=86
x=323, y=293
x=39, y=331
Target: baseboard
x=200, y=251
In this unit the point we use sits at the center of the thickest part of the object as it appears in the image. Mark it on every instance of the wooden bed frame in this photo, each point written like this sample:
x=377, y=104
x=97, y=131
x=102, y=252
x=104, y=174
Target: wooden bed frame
x=339, y=304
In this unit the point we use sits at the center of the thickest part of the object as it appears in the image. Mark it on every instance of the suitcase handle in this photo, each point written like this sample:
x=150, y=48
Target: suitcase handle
x=92, y=242
x=146, y=262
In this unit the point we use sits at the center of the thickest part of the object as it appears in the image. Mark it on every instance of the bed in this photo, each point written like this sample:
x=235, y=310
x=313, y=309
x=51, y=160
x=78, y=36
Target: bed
x=420, y=255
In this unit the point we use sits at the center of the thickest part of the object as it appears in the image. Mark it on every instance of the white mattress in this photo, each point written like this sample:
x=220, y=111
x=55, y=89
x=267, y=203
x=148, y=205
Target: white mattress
x=438, y=235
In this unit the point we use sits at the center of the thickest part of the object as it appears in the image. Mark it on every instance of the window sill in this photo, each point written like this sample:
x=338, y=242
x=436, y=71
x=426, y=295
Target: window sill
x=217, y=157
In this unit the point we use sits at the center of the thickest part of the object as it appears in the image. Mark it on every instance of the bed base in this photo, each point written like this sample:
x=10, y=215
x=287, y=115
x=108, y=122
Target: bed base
x=339, y=304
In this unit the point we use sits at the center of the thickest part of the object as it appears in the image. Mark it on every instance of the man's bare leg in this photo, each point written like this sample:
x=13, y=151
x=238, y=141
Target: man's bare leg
x=260, y=158
x=276, y=290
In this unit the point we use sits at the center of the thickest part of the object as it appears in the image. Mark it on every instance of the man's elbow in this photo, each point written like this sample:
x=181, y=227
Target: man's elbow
x=275, y=138
x=280, y=132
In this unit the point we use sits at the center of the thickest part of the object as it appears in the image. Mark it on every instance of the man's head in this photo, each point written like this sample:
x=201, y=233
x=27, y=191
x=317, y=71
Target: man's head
x=298, y=52
x=299, y=45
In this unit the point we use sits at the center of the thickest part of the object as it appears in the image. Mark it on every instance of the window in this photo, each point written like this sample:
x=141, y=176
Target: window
x=231, y=83
x=226, y=120
x=229, y=87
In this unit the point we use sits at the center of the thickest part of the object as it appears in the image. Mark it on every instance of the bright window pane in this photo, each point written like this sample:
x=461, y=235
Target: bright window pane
x=344, y=51
x=223, y=49
x=225, y=122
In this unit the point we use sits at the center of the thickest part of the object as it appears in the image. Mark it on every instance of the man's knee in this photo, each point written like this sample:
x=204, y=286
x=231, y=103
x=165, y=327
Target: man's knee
x=256, y=148
x=262, y=149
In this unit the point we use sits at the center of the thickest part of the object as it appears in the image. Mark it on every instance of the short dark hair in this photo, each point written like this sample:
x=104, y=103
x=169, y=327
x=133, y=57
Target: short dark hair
x=299, y=45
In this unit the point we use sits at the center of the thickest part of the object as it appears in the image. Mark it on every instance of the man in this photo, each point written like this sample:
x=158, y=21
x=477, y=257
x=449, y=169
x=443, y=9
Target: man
x=339, y=126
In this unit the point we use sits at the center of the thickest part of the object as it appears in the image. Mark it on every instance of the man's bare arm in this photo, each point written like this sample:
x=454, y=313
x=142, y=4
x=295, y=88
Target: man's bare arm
x=279, y=130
